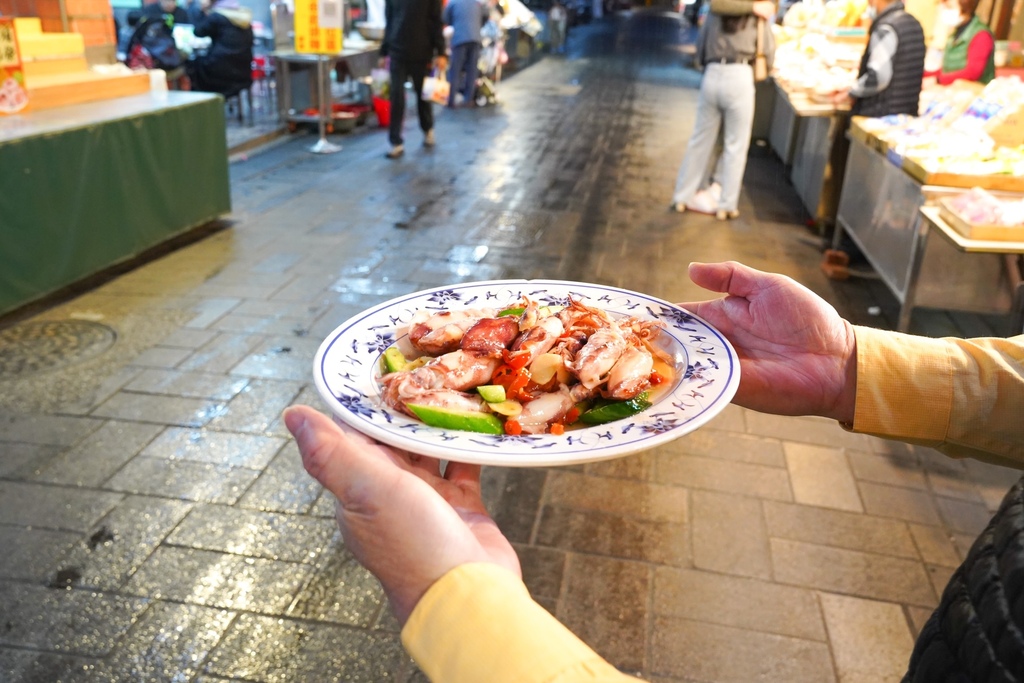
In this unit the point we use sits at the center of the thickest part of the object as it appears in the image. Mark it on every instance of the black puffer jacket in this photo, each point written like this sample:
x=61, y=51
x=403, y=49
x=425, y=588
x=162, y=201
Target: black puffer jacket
x=976, y=634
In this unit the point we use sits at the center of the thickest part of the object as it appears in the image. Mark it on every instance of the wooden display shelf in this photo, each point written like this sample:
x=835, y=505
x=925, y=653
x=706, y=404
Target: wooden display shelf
x=868, y=138
x=58, y=90
x=998, y=233
x=1003, y=182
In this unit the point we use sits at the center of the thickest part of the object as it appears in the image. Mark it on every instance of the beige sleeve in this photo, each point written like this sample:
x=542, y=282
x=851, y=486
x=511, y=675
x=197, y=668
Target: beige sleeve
x=964, y=397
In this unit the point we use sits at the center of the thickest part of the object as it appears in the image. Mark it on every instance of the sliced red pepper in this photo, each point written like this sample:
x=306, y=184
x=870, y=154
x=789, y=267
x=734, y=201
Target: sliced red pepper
x=557, y=428
x=656, y=378
x=572, y=415
x=513, y=428
x=516, y=359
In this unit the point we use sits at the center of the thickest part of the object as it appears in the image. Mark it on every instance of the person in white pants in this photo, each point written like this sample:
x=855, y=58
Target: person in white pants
x=725, y=48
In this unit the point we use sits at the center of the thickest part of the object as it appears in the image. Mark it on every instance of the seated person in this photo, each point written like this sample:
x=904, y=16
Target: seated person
x=163, y=9
x=970, y=51
x=226, y=67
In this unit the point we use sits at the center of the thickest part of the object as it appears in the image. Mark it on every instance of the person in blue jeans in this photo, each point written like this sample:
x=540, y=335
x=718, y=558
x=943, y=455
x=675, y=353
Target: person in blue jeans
x=466, y=17
x=726, y=47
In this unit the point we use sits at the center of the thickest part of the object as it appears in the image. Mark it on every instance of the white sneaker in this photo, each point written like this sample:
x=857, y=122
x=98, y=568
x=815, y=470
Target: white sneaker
x=724, y=215
x=703, y=202
x=428, y=138
x=395, y=152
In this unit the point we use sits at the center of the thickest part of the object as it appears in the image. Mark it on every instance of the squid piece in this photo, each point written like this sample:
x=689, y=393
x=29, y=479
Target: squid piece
x=463, y=371
x=597, y=357
x=578, y=318
x=538, y=339
x=437, y=333
x=545, y=409
x=429, y=385
x=630, y=375
x=490, y=336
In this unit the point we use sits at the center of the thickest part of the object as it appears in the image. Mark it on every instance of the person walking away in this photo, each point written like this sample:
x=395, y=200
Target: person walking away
x=466, y=17
x=413, y=38
x=557, y=20
x=726, y=46
x=226, y=68
x=891, y=69
x=969, y=54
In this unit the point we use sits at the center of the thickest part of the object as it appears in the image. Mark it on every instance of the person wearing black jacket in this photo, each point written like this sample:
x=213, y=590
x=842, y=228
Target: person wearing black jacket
x=413, y=39
x=226, y=68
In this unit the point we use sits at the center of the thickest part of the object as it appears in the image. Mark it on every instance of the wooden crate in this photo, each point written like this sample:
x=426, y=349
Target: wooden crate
x=1003, y=183
x=998, y=233
x=58, y=90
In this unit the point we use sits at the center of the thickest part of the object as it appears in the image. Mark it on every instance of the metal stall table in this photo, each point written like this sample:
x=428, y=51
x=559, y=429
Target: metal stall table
x=882, y=213
x=809, y=138
x=304, y=81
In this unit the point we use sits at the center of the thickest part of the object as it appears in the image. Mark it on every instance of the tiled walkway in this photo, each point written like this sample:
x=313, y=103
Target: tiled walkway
x=157, y=524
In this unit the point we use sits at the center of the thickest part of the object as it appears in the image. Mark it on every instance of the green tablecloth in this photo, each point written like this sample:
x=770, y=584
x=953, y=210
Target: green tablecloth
x=87, y=186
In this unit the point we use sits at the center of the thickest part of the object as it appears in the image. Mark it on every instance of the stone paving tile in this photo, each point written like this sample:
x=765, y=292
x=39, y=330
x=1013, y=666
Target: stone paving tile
x=694, y=650
x=628, y=498
x=283, y=486
x=543, y=571
x=717, y=517
x=871, y=641
x=30, y=665
x=219, y=448
x=270, y=649
x=174, y=410
x=107, y=387
x=21, y=460
x=341, y=591
x=821, y=477
x=892, y=470
x=614, y=535
x=270, y=535
x=221, y=353
x=811, y=430
x=733, y=601
x=209, y=310
x=183, y=479
x=851, y=572
x=605, y=604
x=202, y=577
x=280, y=358
x=958, y=515
x=70, y=622
x=56, y=430
x=939, y=576
x=960, y=486
x=839, y=529
x=30, y=554
x=53, y=507
x=918, y=617
x=161, y=357
x=889, y=501
x=725, y=476
x=713, y=443
x=188, y=338
x=640, y=466
x=257, y=406
x=99, y=456
x=326, y=506
x=272, y=327
x=119, y=543
x=935, y=544
x=187, y=384
x=168, y=643
x=519, y=507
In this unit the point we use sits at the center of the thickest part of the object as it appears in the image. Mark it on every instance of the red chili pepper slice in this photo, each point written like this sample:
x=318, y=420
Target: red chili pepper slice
x=513, y=428
x=557, y=428
x=656, y=378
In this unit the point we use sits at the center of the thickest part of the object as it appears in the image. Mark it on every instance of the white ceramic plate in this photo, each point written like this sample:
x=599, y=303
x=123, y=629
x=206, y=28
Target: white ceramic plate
x=347, y=367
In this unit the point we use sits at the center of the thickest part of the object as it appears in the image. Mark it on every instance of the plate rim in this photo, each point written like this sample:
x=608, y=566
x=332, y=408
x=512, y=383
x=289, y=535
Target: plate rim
x=400, y=441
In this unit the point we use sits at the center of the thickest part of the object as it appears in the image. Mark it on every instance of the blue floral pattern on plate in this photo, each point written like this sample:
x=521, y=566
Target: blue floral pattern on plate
x=347, y=367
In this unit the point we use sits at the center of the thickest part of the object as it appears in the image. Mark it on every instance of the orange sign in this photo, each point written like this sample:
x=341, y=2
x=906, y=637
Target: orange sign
x=318, y=26
x=13, y=93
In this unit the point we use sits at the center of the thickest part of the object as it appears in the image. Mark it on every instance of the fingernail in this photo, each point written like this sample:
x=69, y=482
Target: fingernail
x=295, y=421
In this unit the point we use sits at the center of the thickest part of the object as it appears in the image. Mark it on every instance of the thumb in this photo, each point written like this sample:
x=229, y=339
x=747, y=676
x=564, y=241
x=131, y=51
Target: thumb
x=344, y=467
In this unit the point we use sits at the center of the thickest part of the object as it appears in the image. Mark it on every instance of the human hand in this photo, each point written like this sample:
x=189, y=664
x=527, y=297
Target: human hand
x=797, y=355
x=401, y=518
x=441, y=63
x=382, y=62
x=764, y=9
x=842, y=98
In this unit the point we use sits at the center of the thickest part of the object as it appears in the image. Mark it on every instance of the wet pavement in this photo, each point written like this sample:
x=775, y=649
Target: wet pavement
x=156, y=521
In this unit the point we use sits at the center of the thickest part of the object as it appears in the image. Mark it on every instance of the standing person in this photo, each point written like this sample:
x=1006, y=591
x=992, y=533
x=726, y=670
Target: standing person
x=557, y=20
x=970, y=51
x=453, y=580
x=466, y=17
x=413, y=38
x=726, y=47
x=891, y=69
x=226, y=67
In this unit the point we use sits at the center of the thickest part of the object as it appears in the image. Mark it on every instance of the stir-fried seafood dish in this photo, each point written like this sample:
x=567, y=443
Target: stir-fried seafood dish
x=529, y=368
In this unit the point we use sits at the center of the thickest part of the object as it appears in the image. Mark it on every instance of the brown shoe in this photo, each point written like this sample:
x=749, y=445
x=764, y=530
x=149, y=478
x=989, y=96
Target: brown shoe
x=395, y=152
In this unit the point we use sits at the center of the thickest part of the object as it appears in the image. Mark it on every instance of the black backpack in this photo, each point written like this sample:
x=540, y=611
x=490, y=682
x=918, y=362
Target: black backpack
x=152, y=46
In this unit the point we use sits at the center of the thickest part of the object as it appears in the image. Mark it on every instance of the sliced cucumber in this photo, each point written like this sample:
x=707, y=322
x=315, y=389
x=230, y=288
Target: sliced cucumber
x=460, y=420
x=394, y=360
x=492, y=393
x=609, y=412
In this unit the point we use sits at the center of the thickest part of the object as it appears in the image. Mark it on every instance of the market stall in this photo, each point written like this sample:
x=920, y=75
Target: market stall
x=90, y=185
x=898, y=166
x=304, y=82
